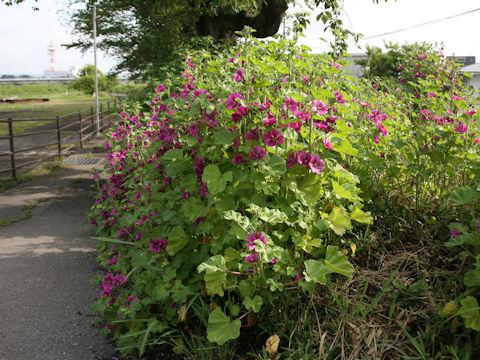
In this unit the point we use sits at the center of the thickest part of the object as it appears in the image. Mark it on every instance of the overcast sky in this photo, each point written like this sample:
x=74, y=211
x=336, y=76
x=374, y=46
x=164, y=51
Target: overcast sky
x=25, y=34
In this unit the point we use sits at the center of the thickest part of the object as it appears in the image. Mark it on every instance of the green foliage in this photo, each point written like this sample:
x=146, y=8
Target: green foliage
x=85, y=81
x=245, y=183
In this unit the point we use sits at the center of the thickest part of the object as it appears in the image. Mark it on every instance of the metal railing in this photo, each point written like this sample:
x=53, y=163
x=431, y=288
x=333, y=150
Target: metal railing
x=86, y=128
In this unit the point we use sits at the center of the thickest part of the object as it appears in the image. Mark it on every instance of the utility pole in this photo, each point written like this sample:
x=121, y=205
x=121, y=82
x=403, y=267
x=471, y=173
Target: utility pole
x=95, y=64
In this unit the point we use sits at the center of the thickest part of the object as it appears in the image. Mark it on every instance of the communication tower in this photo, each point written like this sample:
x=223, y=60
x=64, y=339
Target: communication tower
x=51, y=54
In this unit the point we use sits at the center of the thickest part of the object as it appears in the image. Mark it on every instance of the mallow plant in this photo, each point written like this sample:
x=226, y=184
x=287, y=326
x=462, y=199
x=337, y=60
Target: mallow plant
x=247, y=183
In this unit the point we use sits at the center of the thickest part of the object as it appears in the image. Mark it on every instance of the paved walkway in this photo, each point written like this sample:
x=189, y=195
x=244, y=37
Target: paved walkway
x=47, y=263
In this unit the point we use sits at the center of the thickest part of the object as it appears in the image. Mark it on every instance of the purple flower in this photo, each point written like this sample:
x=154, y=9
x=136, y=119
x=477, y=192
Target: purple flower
x=304, y=158
x=316, y=164
x=273, y=138
x=251, y=240
x=292, y=160
x=454, y=233
x=339, y=97
x=252, y=134
x=238, y=159
x=274, y=261
x=204, y=189
x=251, y=258
x=158, y=245
x=257, y=153
x=239, y=75
x=130, y=299
x=461, y=128
x=319, y=107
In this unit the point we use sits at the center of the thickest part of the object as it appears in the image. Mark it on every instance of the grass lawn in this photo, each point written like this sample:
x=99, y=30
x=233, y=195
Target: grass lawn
x=61, y=103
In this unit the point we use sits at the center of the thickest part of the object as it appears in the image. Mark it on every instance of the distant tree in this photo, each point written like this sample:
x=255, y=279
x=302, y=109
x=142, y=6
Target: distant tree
x=382, y=64
x=85, y=81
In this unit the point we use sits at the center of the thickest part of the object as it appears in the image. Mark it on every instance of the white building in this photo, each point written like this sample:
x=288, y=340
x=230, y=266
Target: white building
x=474, y=71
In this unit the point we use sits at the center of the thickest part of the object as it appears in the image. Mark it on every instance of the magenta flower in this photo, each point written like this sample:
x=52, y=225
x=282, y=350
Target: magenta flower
x=251, y=258
x=292, y=160
x=339, y=97
x=304, y=158
x=316, y=164
x=239, y=75
x=130, y=299
x=160, y=88
x=454, y=233
x=319, y=107
x=204, y=189
x=432, y=94
x=273, y=138
x=251, y=240
x=477, y=140
x=158, y=245
x=238, y=159
x=270, y=120
x=193, y=130
x=257, y=153
x=455, y=97
x=461, y=128
x=252, y=134
x=328, y=145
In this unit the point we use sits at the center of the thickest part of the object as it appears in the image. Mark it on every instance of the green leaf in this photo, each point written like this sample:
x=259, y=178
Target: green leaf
x=255, y=303
x=213, y=264
x=448, y=310
x=470, y=312
x=114, y=241
x=472, y=278
x=160, y=292
x=224, y=137
x=337, y=262
x=361, y=216
x=173, y=155
x=463, y=196
x=215, y=282
x=339, y=221
x=193, y=208
x=419, y=286
x=341, y=192
x=247, y=288
x=241, y=220
x=317, y=271
x=274, y=166
x=215, y=181
x=177, y=239
x=99, y=307
x=271, y=216
x=215, y=274
x=221, y=329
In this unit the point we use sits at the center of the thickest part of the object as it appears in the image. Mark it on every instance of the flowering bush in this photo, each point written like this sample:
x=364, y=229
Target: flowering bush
x=249, y=181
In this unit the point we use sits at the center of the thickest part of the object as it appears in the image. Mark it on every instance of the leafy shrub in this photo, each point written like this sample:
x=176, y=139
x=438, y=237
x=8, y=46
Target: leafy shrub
x=248, y=183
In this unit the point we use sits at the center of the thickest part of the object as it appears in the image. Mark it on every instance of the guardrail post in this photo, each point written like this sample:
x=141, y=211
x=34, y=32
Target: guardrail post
x=91, y=119
x=59, y=138
x=81, y=128
x=12, y=149
x=101, y=117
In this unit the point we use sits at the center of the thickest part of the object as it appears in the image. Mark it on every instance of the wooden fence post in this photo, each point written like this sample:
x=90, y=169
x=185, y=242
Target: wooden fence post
x=109, y=115
x=12, y=149
x=81, y=128
x=59, y=138
x=91, y=119
x=101, y=117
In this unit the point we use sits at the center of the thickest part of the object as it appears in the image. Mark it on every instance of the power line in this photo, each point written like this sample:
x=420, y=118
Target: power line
x=422, y=24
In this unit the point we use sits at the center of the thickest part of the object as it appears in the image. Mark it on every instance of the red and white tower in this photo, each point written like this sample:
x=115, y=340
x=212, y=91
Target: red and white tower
x=51, y=54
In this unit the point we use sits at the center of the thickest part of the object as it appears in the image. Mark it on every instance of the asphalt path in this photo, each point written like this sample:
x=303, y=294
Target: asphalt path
x=47, y=263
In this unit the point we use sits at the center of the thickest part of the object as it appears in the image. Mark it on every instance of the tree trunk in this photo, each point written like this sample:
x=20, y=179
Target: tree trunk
x=267, y=22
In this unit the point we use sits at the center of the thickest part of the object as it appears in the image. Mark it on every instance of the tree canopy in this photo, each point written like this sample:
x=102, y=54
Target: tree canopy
x=145, y=35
